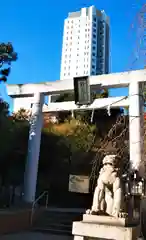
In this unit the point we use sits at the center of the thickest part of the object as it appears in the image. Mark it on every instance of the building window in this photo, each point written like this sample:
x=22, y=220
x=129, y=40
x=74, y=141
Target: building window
x=94, y=42
x=94, y=30
x=94, y=24
x=94, y=19
x=93, y=48
x=93, y=54
x=94, y=36
x=93, y=66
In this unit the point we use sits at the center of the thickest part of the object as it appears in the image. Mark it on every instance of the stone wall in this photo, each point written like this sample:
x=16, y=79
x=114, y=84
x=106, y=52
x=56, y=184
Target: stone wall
x=14, y=221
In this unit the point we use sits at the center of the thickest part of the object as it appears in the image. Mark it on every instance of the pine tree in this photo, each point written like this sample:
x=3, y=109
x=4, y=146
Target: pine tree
x=7, y=56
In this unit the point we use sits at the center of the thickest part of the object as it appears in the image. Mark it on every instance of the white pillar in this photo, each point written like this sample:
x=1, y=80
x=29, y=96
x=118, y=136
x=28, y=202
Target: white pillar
x=135, y=128
x=49, y=99
x=31, y=171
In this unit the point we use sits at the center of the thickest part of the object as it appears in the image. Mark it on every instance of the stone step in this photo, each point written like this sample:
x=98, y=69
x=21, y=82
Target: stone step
x=47, y=212
x=44, y=223
x=53, y=231
x=56, y=222
x=55, y=226
x=61, y=218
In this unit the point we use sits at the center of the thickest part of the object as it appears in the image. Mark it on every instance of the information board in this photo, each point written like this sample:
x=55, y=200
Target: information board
x=78, y=183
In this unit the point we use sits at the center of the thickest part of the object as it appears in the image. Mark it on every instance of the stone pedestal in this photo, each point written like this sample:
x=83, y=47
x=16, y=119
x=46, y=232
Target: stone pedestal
x=101, y=227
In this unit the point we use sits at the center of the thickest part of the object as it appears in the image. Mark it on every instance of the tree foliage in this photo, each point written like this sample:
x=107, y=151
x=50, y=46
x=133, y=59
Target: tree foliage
x=13, y=146
x=70, y=141
x=7, y=56
x=21, y=115
x=4, y=111
x=79, y=135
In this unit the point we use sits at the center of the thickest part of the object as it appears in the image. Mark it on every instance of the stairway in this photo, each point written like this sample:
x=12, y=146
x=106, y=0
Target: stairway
x=57, y=221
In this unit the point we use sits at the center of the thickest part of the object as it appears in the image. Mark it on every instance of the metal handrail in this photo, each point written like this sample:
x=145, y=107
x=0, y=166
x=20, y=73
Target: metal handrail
x=45, y=193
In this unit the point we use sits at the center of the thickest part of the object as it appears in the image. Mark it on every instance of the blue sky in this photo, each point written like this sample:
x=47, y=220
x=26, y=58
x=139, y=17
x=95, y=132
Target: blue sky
x=35, y=28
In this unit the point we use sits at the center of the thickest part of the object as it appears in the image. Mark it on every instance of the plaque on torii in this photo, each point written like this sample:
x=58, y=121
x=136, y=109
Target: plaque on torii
x=82, y=91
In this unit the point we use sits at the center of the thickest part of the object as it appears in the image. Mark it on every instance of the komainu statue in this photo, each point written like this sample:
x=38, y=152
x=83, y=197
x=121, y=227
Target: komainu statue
x=108, y=192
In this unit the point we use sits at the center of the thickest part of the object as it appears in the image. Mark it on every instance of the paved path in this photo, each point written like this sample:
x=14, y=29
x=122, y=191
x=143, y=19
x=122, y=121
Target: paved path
x=34, y=236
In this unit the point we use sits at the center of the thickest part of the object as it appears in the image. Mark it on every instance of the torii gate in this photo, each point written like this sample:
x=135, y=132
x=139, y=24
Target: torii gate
x=132, y=79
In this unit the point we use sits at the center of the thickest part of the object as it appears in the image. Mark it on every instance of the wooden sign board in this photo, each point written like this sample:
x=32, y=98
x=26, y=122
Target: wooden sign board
x=82, y=90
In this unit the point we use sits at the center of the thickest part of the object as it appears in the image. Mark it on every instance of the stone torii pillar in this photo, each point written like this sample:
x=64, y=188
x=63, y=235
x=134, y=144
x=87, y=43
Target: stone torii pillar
x=136, y=108
x=31, y=170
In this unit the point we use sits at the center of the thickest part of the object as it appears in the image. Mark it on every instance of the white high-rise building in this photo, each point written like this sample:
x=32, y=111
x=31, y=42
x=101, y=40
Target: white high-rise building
x=85, y=48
